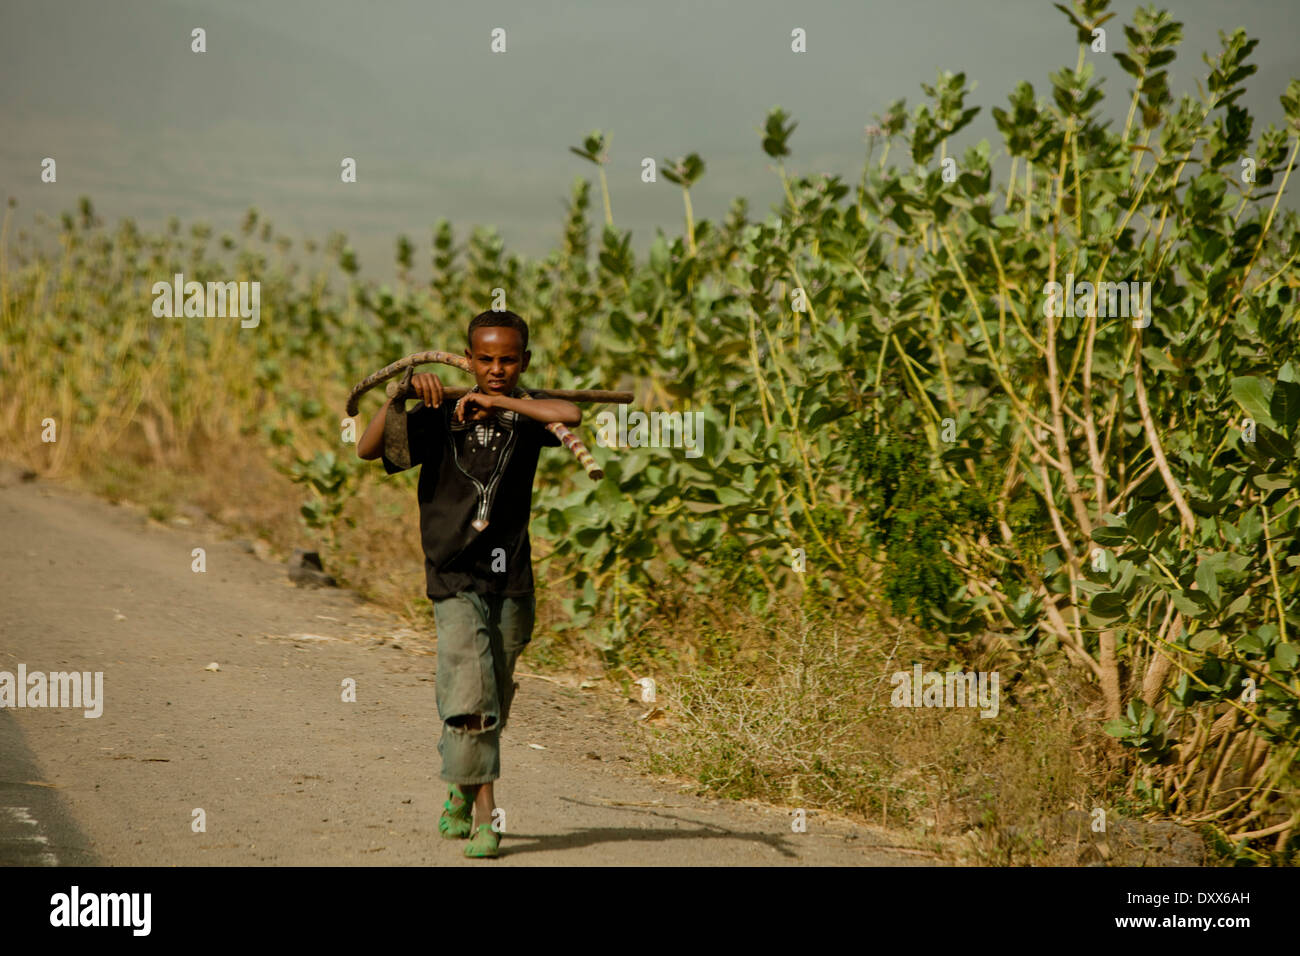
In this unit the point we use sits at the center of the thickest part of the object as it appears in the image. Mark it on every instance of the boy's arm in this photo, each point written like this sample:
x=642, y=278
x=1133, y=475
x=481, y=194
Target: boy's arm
x=371, y=444
x=545, y=410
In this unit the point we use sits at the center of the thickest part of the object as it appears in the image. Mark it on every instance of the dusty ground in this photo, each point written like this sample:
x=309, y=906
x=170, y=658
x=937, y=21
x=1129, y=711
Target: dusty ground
x=284, y=770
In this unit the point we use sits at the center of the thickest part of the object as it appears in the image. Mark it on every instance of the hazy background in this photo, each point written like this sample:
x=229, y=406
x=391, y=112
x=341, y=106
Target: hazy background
x=440, y=126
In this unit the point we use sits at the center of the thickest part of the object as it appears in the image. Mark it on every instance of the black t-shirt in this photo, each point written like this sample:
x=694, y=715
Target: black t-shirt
x=471, y=474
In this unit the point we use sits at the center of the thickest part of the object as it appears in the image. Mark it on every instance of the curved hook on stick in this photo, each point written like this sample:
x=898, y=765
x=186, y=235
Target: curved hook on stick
x=389, y=371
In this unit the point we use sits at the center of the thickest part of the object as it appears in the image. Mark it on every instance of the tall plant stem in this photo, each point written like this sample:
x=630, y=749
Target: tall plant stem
x=1272, y=570
x=1158, y=451
x=1268, y=222
x=604, y=193
x=690, y=220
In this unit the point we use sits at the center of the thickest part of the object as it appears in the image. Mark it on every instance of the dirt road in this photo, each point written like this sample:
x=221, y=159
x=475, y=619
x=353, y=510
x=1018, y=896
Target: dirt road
x=282, y=768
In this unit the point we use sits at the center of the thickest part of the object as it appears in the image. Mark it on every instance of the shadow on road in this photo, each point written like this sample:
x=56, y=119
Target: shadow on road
x=592, y=836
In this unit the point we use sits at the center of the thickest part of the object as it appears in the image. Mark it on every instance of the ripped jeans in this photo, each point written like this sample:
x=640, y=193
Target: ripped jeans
x=480, y=636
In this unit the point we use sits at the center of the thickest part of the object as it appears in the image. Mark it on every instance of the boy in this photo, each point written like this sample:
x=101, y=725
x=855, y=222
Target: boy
x=475, y=494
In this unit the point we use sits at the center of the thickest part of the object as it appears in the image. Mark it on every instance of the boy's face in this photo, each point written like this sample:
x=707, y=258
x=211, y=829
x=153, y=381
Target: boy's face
x=497, y=358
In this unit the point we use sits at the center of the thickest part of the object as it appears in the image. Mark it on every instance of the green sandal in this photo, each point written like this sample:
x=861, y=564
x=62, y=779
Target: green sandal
x=454, y=823
x=486, y=842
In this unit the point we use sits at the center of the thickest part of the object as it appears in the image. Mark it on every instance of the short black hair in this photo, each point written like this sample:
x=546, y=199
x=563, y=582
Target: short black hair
x=494, y=320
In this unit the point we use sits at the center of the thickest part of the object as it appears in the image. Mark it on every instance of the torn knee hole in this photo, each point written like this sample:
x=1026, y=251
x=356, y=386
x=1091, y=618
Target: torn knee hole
x=473, y=722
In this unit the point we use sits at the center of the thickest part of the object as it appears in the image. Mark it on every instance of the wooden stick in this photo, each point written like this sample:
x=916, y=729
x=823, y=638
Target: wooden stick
x=460, y=362
x=568, y=394
x=568, y=438
x=575, y=445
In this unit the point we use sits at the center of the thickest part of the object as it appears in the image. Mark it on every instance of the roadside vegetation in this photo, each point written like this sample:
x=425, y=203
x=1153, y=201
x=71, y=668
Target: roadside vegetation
x=913, y=449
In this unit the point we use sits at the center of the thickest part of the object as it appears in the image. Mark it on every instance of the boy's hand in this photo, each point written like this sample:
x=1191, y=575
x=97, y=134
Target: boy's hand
x=478, y=404
x=429, y=388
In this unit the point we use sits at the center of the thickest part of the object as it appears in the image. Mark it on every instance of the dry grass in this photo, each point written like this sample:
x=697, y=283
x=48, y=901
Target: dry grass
x=804, y=719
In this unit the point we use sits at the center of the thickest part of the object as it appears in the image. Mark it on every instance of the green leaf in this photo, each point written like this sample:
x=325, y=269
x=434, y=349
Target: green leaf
x=1194, y=604
x=1238, y=606
x=1250, y=643
x=1141, y=520
x=1208, y=582
x=1253, y=395
x=1118, y=728
x=1284, y=406
x=1273, y=444
x=731, y=496
x=1158, y=360
x=1107, y=606
x=1268, y=483
x=1110, y=535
